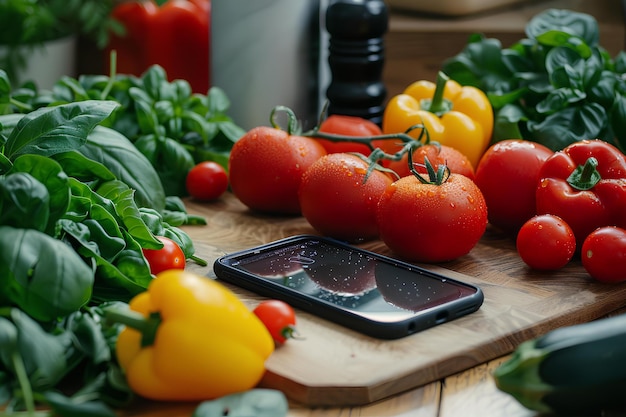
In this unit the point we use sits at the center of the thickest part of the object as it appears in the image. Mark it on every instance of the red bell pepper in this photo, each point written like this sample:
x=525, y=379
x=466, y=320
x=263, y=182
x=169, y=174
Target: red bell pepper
x=585, y=185
x=174, y=35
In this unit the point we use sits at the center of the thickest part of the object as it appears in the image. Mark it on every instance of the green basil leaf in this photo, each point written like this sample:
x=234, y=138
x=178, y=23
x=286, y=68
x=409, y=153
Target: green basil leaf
x=8, y=341
x=570, y=125
x=128, y=164
x=561, y=39
x=43, y=353
x=5, y=93
x=88, y=337
x=24, y=202
x=51, y=130
x=174, y=162
x=69, y=407
x=618, y=121
x=128, y=212
x=581, y=25
x=152, y=81
x=112, y=283
x=252, y=403
x=506, y=123
x=54, y=178
x=559, y=100
x=43, y=276
x=77, y=165
x=480, y=64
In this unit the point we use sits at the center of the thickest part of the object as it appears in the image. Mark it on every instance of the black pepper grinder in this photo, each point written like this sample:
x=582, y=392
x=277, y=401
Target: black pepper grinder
x=356, y=57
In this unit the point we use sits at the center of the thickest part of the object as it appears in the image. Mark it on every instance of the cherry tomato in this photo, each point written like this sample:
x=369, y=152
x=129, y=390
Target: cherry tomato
x=207, y=181
x=170, y=256
x=603, y=254
x=348, y=126
x=507, y=175
x=546, y=242
x=437, y=155
x=337, y=201
x=429, y=222
x=279, y=319
x=266, y=166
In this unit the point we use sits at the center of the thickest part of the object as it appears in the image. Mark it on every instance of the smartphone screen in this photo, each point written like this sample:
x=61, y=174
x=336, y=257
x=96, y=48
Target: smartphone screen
x=374, y=294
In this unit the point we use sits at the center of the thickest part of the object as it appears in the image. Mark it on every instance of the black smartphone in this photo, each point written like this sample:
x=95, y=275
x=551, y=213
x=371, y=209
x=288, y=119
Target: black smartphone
x=359, y=289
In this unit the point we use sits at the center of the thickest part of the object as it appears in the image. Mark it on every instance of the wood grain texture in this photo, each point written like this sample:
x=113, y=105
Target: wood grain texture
x=334, y=366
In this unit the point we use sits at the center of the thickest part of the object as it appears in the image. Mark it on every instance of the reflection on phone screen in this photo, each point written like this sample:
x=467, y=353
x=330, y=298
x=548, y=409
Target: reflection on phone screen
x=375, y=288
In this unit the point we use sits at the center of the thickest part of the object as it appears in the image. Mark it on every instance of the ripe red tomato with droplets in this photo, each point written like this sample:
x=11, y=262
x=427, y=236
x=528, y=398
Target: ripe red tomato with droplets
x=279, y=319
x=206, y=181
x=432, y=222
x=170, y=256
x=456, y=161
x=546, y=242
x=266, y=166
x=603, y=254
x=508, y=174
x=338, y=200
x=348, y=126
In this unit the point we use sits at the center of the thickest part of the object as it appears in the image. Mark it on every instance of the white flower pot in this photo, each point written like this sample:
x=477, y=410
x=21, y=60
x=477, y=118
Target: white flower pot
x=47, y=63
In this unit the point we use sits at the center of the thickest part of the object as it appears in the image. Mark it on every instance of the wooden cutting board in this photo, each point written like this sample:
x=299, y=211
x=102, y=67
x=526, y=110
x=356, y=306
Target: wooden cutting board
x=336, y=366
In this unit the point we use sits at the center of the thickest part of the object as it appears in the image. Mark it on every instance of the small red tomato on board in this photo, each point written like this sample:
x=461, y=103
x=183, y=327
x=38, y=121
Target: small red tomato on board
x=507, y=175
x=437, y=155
x=206, y=181
x=279, y=318
x=266, y=166
x=603, y=254
x=170, y=256
x=435, y=221
x=348, y=126
x=338, y=201
x=546, y=242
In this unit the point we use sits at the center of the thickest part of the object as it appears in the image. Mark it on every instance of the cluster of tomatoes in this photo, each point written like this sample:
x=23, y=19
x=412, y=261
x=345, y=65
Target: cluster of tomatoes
x=560, y=205
x=422, y=214
x=346, y=195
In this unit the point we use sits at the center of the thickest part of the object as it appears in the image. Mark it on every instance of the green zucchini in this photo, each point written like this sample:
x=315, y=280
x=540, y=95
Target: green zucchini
x=573, y=370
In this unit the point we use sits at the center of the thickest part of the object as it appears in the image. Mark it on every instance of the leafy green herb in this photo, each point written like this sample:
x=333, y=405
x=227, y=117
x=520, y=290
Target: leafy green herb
x=35, y=359
x=555, y=87
x=172, y=127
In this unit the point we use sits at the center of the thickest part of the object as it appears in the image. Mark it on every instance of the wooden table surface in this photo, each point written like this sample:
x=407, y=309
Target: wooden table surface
x=566, y=297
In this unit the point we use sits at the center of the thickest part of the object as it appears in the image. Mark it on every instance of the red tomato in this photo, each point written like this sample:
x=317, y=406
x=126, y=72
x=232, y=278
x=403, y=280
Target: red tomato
x=546, y=242
x=507, y=175
x=170, y=256
x=348, y=126
x=437, y=155
x=207, y=181
x=604, y=254
x=337, y=202
x=429, y=222
x=279, y=319
x=266, y=166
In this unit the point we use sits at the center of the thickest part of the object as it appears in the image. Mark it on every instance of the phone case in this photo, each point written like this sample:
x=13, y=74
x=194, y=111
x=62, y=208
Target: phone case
x=305, y=271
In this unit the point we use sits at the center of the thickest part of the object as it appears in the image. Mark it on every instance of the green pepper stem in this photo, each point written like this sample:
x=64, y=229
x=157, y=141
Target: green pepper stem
x=585, y=177
x=438, y=104
x=147, y=326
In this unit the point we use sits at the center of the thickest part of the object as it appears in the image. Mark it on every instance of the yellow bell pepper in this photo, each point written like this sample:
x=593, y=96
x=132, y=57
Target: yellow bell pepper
x=189, y=338
x=456, y=116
